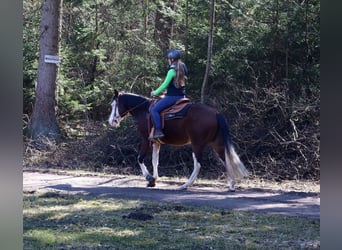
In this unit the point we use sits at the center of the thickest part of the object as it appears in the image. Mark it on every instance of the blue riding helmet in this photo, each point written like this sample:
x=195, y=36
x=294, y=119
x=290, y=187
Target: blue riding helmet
x=173, y=54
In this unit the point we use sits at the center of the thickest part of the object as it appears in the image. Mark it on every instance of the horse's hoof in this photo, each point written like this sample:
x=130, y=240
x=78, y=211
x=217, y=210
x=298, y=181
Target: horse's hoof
x=231, y=190
x=183, y=188
x=151, y=181
x=151, y=184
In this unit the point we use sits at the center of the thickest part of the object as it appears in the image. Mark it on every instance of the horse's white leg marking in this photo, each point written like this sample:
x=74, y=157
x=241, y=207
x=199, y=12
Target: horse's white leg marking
x=231, y=180
x=231, y=184
x=155, y=159
x=143, y=169
x=192, y=178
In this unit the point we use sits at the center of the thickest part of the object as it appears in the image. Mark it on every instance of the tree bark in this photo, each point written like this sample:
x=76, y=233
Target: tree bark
x=210, y=48
x=186, y=31
x=43, y=122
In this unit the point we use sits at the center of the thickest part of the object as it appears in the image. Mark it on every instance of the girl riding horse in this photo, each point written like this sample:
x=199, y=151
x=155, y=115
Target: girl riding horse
x=175, y=84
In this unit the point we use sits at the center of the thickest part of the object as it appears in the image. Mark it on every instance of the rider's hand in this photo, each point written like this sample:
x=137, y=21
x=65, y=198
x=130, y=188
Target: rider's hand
x=152, y=94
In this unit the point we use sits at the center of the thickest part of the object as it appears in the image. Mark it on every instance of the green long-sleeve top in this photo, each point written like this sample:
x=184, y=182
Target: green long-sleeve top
x=169, y=76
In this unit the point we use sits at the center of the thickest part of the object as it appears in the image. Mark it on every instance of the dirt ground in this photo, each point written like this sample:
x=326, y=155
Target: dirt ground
x=292, y=203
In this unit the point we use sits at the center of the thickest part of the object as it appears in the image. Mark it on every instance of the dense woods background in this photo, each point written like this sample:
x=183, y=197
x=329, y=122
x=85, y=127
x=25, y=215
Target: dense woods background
x=264, y=76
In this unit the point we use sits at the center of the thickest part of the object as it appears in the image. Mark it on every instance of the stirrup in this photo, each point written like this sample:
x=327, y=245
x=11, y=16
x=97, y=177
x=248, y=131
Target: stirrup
x=158, y=134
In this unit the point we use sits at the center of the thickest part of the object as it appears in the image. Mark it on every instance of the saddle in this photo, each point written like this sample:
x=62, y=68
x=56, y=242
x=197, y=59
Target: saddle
x=178, y=110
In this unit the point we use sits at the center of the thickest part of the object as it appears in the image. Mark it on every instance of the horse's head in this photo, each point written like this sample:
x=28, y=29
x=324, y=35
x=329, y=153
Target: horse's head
x=115, y=118
x=124, y=104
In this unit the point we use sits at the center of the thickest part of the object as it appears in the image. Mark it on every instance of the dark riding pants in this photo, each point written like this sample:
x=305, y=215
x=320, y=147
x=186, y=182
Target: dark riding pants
x=162, y=104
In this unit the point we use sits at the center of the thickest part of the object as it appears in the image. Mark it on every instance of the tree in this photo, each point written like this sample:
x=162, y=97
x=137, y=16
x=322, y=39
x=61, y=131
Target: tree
x=43, y=120
x=164, y=24
x=210, y=47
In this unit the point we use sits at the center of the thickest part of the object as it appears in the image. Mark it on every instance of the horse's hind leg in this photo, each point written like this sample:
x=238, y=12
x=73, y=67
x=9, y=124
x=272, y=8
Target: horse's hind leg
x=219, y=149
x=197, y=157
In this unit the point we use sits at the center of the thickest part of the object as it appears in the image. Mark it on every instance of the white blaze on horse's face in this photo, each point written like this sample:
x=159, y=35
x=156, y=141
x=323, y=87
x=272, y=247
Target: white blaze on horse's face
x=114, y=118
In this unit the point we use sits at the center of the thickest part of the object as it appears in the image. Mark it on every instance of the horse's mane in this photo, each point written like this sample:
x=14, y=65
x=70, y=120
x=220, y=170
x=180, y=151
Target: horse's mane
x=133, y=99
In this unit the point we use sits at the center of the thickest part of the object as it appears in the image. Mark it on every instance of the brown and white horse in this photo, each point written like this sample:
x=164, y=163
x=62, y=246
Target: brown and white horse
x=201, y=126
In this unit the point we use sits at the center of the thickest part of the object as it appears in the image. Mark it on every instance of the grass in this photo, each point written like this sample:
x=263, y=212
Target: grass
x=62, y=221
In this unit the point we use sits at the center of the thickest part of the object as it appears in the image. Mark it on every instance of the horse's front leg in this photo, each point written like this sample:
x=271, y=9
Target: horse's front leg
x=143, y=151
x=155, y=161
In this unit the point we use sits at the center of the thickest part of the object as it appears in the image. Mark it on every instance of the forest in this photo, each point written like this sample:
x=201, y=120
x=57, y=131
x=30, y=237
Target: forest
x=263, y=73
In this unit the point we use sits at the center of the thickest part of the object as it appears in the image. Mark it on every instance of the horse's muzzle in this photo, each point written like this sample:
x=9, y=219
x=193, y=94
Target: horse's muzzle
x=114, y=123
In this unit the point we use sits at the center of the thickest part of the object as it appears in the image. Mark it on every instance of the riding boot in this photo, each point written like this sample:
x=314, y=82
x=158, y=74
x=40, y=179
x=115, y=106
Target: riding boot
x=158, y=134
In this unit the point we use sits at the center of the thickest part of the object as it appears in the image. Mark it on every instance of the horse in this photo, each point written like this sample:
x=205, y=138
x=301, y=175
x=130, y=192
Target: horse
x=202, y=126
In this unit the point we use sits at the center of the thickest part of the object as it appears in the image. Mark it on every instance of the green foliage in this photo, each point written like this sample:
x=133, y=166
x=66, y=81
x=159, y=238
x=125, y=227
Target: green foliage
x=31, y=51
x=256, y=43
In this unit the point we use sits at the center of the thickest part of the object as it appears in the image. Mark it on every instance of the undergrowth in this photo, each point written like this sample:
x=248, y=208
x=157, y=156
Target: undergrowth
x=94, y=146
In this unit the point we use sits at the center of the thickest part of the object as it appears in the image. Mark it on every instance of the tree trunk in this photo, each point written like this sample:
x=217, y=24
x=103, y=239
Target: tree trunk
x=210, y=48
x=96, y=45
x=186, y=31
x=43, y=122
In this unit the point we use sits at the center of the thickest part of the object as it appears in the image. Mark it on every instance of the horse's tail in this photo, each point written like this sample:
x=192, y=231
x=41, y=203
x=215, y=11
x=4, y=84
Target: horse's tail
x=234, y=166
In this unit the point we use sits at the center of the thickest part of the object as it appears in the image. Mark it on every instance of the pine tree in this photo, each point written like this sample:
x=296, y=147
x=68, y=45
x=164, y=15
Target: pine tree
x=43, y=122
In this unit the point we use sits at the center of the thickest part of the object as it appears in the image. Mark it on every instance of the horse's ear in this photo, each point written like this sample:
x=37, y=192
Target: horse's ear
x=116, y=93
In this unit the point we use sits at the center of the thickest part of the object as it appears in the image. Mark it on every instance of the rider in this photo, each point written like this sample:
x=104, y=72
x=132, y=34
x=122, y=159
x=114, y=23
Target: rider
x=175, y=84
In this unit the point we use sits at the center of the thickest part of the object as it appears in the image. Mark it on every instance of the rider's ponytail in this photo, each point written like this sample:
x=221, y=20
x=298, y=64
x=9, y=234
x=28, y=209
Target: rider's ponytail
x=181, y=77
